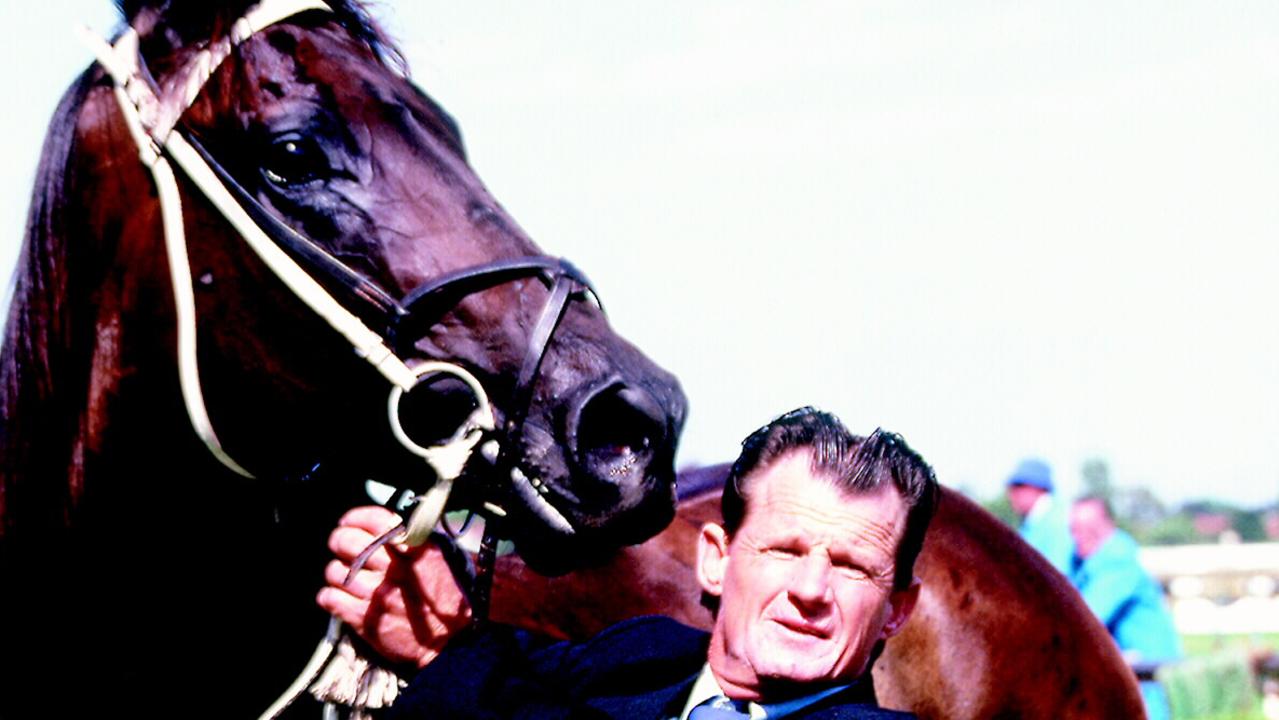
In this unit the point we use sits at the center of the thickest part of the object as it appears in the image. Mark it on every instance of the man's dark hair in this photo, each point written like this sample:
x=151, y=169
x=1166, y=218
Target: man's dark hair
x=851, y=463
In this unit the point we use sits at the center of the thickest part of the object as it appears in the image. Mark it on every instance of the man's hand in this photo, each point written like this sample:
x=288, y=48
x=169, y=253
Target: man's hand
x=403, y=602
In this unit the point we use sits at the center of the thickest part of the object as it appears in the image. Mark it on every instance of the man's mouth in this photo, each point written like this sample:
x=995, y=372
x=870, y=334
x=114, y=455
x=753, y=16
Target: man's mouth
x=800, y=627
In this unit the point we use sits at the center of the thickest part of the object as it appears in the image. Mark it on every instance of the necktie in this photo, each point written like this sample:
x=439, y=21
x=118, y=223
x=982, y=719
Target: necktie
x=720, y=708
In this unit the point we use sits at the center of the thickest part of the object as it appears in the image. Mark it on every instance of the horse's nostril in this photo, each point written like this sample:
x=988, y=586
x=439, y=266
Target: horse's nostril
x=618, y=428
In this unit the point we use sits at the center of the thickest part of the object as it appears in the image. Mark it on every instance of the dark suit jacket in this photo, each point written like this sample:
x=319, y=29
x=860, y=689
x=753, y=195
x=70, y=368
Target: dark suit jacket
x=640, y=669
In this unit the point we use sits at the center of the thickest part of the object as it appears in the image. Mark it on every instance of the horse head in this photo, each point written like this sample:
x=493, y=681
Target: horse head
x=370, y=252
x=316, y=129
x=250, y=217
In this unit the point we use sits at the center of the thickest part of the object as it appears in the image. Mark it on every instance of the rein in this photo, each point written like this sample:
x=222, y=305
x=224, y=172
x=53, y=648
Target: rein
x=153, y=115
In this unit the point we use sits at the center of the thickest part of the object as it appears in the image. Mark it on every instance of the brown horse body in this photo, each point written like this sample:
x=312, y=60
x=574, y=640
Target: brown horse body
x=998, y=633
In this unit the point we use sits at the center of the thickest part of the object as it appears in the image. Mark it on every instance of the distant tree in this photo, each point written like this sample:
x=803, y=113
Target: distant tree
x=1197, y=507
x=1002, y=509
x=1138, y=509
x=1250, y=525
x=1096, y=474
x=1177, y=529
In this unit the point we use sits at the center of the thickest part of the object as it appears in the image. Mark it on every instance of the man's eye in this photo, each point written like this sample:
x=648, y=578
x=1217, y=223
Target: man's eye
x=782, y=552
x=853, y=571
x=851, y=568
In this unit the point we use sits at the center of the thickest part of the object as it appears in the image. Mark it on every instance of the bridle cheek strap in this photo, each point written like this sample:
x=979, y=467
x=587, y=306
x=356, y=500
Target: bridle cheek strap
x=151, y=121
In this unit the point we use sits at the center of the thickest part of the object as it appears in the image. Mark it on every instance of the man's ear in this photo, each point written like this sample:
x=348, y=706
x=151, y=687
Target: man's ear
x=712, y=556
x=901, y=604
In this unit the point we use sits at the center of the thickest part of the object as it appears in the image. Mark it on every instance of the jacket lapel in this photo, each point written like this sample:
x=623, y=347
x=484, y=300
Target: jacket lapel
x=656, y=704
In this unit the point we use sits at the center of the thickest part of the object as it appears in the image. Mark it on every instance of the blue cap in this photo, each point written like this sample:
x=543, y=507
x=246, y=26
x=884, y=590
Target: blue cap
x=1033, y=472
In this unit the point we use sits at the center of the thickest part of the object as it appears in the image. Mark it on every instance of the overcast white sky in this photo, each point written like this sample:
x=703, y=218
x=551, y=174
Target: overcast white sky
x=998, y=228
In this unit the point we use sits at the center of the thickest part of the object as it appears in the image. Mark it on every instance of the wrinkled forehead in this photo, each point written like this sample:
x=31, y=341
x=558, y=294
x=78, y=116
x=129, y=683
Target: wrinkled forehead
x=799, y=465
x=792, y=480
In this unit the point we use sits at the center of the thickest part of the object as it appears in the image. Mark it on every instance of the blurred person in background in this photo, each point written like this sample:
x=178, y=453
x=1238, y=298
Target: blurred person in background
x=1044, y=522
x=1126, y=599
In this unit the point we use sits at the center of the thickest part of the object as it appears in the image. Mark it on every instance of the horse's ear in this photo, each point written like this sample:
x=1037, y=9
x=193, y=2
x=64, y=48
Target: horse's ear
x=190, y=19
x=129, y=9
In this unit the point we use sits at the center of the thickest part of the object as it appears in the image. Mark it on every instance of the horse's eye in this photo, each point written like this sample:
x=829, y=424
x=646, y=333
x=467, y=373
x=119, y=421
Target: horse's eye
x=294, y=160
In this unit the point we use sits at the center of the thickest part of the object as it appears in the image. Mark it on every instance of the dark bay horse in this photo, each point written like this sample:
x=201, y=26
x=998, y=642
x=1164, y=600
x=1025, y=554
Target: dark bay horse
x=146, y=576
x=998, y=633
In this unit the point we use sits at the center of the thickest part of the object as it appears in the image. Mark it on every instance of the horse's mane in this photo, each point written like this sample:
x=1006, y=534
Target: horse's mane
x=38, y=342
x=49, y=336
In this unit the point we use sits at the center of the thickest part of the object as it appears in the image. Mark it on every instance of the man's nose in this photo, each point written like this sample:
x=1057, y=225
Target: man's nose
x=810, y=585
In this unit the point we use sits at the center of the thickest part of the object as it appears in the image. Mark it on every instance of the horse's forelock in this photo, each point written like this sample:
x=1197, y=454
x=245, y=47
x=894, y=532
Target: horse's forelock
x=182, y=22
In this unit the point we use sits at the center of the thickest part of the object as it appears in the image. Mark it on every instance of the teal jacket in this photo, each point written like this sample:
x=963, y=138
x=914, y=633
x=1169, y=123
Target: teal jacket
x=1127, y=600
x=1048, y=531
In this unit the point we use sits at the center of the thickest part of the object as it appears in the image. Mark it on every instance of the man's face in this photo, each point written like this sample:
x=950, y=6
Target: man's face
x=805, y=584
x=1023, y=498
x=1089, y=526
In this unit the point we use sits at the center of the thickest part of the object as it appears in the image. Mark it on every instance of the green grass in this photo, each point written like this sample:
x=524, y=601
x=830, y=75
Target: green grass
x=1215, y=680
x=1200, y=645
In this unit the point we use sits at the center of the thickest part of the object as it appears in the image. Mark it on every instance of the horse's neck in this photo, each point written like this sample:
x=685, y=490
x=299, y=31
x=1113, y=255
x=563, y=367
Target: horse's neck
x=131, y=560
x=103, y=408
x=71, y=377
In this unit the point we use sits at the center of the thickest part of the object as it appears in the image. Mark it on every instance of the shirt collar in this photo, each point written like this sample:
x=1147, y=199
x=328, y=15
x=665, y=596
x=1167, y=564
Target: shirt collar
x=706, y=687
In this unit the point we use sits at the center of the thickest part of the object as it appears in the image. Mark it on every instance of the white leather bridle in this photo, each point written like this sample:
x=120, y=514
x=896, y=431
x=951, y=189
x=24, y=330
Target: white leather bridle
x=153, y=116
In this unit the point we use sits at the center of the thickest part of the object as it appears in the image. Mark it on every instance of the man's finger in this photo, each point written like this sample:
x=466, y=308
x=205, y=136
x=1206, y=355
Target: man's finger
x=366, y=585
x=343, y=605
x=348, y=542
x=370, y=518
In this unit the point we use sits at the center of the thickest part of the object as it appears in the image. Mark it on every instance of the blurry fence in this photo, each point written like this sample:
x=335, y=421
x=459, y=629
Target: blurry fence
x=1213, y=591
x=1222, y=589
